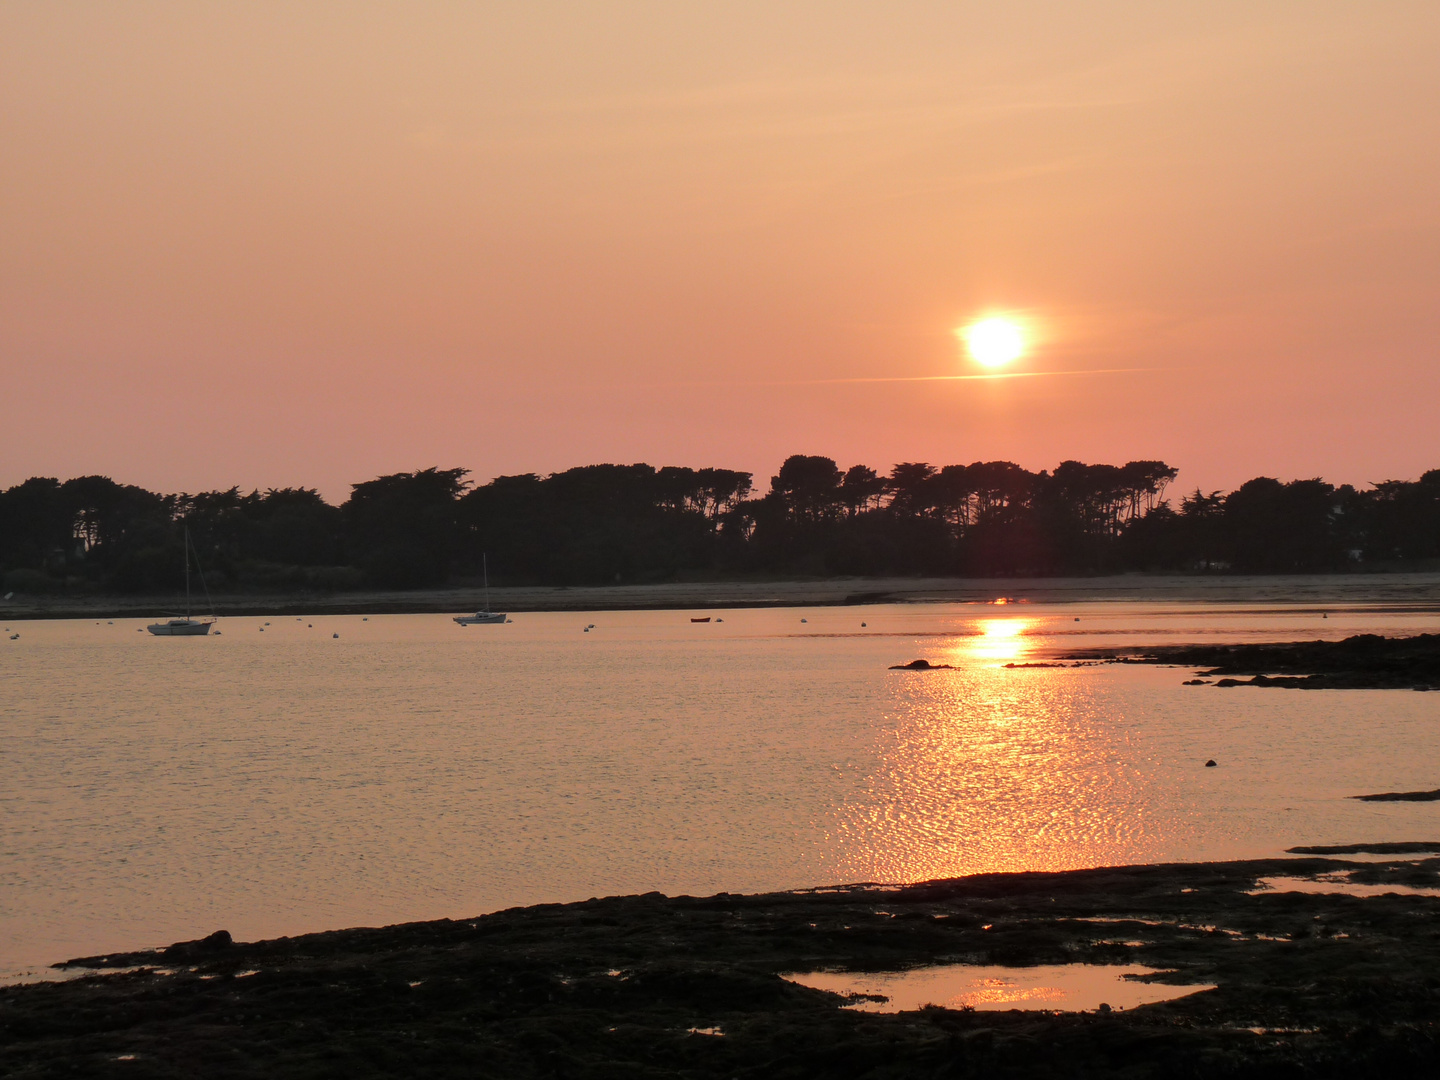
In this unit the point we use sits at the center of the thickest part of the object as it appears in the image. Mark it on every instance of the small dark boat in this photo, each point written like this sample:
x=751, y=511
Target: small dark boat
x=705, y=619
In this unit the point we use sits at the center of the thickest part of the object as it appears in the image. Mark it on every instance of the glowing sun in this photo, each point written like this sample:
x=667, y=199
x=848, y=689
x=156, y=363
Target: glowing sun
x=993, y=342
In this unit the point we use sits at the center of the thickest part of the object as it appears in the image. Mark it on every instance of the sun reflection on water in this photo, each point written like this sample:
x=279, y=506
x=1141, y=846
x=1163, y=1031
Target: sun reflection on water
x=987, y=768
x=999, y=639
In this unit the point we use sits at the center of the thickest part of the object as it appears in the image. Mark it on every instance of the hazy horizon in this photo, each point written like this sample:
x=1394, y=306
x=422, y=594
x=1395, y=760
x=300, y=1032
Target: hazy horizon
x=260, y=245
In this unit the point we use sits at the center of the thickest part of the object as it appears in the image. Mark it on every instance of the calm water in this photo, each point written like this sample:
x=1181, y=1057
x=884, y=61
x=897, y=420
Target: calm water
x=1053, y=987
x=275, y=782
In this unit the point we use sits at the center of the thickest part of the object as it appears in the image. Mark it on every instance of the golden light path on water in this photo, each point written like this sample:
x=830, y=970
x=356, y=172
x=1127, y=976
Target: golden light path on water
x=294, y=775
x=984, y=771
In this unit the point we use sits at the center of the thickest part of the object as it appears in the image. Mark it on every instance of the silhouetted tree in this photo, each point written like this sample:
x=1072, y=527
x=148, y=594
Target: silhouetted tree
x=808, y=488
x=909, y=489
x=603, y=523
x=1401, y=520
x=861, y=489
x=1272, y=527
x=402, y=528
x=36, y=525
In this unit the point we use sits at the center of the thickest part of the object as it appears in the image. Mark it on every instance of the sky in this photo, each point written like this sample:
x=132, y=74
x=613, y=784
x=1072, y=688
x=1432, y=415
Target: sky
x=274, y=245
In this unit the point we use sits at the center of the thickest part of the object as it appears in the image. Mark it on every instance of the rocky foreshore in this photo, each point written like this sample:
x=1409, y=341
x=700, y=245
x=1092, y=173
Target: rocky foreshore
x=1306, y=984
x=1362, y=662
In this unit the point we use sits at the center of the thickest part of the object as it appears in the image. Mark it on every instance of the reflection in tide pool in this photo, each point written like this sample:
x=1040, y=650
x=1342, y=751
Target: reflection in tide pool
x=1338, y=885
x=1053, y=987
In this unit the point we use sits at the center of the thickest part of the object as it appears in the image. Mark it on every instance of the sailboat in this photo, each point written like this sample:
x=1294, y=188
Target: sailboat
x=484, y=616
x=186, y=626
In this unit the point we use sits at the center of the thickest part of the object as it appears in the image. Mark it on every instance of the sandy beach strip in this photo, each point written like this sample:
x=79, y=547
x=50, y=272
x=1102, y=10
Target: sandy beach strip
x=1408, y=590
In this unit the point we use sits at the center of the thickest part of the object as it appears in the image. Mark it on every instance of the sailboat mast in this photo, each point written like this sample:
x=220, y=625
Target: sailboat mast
x=187, y=571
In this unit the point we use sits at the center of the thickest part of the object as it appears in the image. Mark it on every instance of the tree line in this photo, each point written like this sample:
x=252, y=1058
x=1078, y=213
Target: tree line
x=635, y=523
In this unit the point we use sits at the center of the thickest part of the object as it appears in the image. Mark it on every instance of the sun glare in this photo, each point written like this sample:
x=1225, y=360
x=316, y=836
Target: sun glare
x=1000, y=639
x=993, y=342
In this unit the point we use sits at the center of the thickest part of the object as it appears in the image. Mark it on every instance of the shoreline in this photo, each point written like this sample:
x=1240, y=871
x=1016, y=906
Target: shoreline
x=1419, y=589
x=657, y=985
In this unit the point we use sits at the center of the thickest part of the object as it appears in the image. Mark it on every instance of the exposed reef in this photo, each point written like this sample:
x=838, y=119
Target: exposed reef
x=1364, y=662
x=1401, y=796
x=648, y=986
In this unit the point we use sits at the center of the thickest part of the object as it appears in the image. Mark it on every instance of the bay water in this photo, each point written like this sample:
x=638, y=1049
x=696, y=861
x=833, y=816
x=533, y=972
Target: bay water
x=279, y=779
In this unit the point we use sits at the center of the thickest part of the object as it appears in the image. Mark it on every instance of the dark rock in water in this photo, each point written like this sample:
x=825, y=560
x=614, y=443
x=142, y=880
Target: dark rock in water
x=1366, y=661
x=1195, y=682
x=1104, y=1007
x=1401, y=796
x=918, y=665
x=1408, y=847
x=218, y=942
x=1210, y=764
x=1304, y=682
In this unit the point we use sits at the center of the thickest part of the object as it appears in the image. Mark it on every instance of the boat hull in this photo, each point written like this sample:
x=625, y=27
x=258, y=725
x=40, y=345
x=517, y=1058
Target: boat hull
x=481, y=618
x=180, y=628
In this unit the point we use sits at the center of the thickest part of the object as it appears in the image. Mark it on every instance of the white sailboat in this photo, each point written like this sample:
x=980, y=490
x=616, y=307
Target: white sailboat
x=486, y=616
x=184, y=626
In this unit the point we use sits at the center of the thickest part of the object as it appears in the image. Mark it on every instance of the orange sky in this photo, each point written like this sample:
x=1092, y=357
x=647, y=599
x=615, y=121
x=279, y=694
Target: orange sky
x=288, y=244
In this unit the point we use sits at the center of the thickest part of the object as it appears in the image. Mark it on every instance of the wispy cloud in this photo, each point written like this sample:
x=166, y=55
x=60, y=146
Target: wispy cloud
x=991, y=377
